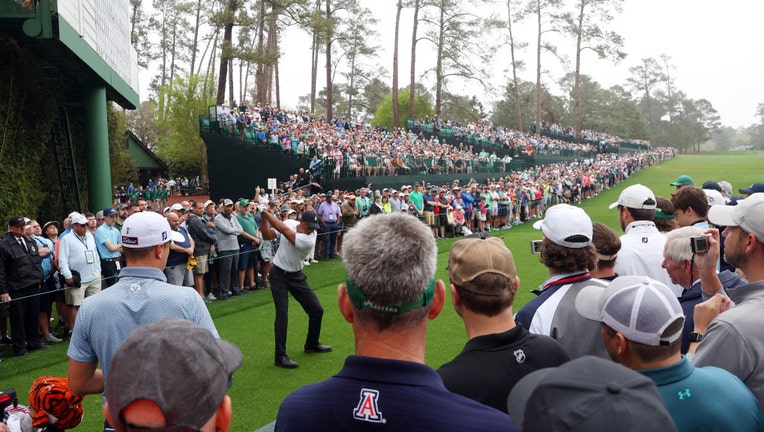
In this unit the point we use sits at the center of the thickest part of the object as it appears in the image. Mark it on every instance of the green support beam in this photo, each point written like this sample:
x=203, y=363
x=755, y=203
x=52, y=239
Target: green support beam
x=97, y=133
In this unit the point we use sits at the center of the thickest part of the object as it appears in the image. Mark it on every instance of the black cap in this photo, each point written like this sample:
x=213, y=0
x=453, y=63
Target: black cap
x=712, y=185
x=311, y=219
x=16, y=221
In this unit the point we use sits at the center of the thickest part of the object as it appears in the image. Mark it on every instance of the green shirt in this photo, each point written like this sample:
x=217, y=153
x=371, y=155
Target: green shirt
x=249, y=226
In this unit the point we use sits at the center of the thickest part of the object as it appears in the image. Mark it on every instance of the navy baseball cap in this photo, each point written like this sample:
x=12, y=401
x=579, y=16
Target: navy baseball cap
x=16, y=221
x=108, y=211
x=712, y=185
x=755, y=188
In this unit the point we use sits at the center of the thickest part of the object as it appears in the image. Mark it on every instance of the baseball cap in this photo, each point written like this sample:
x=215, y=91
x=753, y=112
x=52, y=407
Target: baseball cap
x=639, y=307
x=311, y=219
x=588, y=394
x=714, y=197
x=208, y=202
x=726, y=187
x=284, y=207
x=635, y=197
x=175, y=363
x=748, y=214
x=146, y=229
x=227, y=202
x=121, y=207
x=99, y=215
x=710, y=184
x=563, y=221
x=77, y=218
x=471, y=257
x=755, y=188
x=243, y=203
x=176, y=207
x=17, y=221
x=108, y=211
x=351, y=197
x=683, y=180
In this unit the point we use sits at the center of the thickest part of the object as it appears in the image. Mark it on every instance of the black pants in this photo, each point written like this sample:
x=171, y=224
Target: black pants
x=109, y=273
x=283, y=283
x=24, y=312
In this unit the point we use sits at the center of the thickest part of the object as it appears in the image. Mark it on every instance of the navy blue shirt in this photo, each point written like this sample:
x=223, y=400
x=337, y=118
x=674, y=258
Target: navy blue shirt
x=379, y=394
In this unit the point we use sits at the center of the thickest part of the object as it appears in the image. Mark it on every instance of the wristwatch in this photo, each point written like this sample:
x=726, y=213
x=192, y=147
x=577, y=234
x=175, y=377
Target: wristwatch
x=696, y=337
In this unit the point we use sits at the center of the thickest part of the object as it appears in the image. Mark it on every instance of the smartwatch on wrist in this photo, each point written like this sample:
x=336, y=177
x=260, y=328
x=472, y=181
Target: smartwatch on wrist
x=696, y=337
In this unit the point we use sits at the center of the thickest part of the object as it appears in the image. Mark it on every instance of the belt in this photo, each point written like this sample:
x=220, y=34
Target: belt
x=330, y=222
x=111, y=259
x=284, y=272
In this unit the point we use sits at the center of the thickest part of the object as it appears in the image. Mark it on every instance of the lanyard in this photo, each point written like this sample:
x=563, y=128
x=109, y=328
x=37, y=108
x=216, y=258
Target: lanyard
x=567, y=280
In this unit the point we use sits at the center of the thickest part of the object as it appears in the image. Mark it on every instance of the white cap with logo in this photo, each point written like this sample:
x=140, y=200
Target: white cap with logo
x=146, y=229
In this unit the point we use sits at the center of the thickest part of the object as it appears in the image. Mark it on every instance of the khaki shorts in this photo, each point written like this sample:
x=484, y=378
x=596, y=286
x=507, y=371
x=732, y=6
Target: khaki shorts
x=74, y=296
x=202, y=264
x=429, y=218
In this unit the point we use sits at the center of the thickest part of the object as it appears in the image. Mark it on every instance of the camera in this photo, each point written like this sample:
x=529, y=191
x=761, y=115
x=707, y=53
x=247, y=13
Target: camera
x=536, y=246
x=699, y=244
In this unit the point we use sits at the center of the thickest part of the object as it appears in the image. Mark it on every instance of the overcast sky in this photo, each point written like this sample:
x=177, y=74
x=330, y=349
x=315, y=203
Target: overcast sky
x=716, y=48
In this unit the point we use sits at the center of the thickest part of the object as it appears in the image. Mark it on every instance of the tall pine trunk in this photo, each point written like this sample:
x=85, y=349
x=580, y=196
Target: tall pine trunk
x=396, y=120
x=412, y=85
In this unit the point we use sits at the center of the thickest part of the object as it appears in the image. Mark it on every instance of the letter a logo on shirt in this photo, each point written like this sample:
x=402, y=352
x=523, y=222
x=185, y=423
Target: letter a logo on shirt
x=368, y=409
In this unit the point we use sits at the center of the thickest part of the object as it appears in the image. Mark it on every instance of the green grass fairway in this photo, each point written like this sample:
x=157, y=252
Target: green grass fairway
x=259, y=387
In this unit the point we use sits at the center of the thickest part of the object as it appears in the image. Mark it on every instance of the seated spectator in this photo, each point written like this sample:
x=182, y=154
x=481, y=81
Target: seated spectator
x=387, y=383
x=499, y=353
x=642, y=325
x=171, y=375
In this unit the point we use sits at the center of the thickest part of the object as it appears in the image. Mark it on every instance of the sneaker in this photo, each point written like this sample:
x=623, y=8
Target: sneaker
x=306, y=262
x=313, y=261
x=52, y=338
x=207, y=301
x=211, y=297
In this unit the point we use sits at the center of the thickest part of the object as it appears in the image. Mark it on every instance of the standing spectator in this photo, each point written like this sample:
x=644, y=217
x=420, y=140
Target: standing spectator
x=386, y=383
x=690, y=207
x=48, y=235
x=499, y=353
x=329, y=213
x=286, y=276
x=684, y=267
x=140, y=297
x=227, y=231
x=78, y=253
x=606, y=244
x=642, y=324
x=177, y=271
x=641, y=251
x=733, y=340
x=588, y=394
x=204, y=244
x=108, y=242
x=20, y=276
x=156, y=375
x=248, y=242
x=567, y=252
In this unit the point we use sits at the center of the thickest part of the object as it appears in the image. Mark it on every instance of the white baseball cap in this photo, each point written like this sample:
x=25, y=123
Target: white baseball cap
x=146, y=229
x=748, y=214
x=563, y=221
x=638, y=307
x=714, y=197
x=78, y=218
x=635, y=197
x=176, y=207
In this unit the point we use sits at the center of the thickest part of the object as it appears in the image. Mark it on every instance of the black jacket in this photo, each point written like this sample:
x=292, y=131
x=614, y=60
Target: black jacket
x=18, y=269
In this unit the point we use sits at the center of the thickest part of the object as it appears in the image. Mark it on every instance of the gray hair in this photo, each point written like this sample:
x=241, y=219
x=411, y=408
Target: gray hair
x=376, y=246
x=678, y=242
